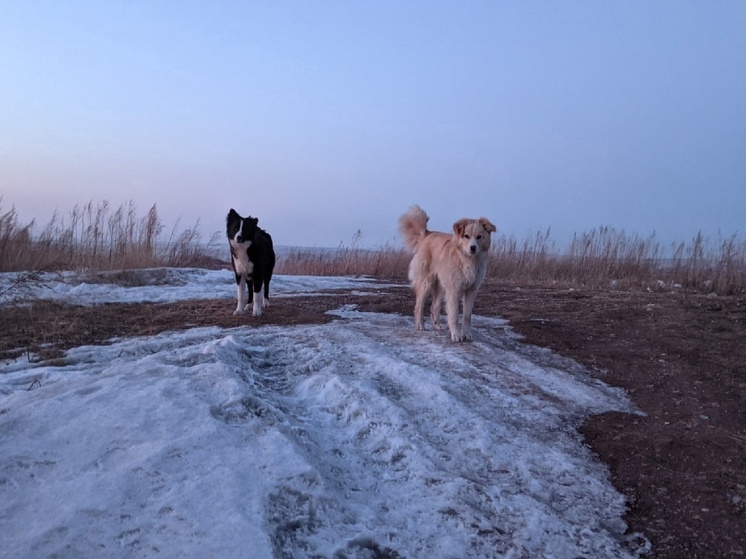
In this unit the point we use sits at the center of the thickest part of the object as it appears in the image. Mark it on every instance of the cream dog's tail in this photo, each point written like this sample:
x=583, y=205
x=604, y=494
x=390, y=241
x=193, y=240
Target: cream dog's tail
x=413, y=226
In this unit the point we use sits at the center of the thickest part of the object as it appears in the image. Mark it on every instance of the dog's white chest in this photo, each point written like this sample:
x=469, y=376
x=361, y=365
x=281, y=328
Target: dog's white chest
x=241, y=261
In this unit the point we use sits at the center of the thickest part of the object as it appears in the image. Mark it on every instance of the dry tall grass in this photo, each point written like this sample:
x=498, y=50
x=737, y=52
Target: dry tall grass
x=609, y=258
x=95, y=237
x=603, y=258
x=384, y=262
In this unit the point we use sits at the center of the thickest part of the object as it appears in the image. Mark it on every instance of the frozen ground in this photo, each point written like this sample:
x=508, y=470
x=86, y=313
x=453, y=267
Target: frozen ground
x=360, y=438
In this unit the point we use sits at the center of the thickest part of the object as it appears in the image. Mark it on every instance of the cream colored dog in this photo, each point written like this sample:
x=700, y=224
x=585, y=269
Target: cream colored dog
x=444, y=265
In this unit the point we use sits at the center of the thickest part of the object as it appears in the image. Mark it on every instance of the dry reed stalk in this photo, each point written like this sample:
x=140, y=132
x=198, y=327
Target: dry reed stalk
x=97, y=238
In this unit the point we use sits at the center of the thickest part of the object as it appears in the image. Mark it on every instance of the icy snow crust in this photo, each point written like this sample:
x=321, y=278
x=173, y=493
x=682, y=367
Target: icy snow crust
x=158, y=285
x=356, y=439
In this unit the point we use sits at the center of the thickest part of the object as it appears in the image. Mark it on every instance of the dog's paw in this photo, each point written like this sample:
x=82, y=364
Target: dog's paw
x=238, y=312
x=265, y=303
x=437, y=326
x=463, y=337
x=257, y=310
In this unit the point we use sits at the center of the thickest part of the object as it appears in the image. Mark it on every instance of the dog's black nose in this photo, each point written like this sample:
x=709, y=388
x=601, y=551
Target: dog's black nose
x=473, y=249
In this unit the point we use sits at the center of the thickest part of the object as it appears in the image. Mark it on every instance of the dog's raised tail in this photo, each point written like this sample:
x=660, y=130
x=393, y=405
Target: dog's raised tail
x=413, y=226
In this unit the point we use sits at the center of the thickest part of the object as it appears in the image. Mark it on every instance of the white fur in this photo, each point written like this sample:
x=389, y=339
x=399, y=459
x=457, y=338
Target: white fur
x=258, y=303
x=244, y=268
x=445, y=266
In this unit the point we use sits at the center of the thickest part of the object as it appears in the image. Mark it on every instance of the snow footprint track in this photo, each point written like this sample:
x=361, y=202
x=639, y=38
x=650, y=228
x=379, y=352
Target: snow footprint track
x=409, y=431
x=312, y=392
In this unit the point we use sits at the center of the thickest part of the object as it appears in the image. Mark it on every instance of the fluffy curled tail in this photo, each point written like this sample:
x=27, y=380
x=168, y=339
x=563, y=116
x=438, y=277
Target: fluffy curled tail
x=413, y=226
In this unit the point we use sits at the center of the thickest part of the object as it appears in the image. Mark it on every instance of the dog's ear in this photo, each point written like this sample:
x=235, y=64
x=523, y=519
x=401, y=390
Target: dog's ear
x=460, y=226
x=255, y=220
x=233, y=213
x=487, y=224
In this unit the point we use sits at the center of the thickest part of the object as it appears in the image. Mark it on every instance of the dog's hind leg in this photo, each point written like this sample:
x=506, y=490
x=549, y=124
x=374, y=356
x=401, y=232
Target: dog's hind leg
x=436, y=306
x=268, y=276
x=265, y=302
x=420, y=293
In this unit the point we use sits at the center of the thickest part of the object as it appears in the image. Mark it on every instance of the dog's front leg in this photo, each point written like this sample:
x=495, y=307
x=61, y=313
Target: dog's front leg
x=240, y=296
x=469, y=297
x=452, y=313
x=258, y=303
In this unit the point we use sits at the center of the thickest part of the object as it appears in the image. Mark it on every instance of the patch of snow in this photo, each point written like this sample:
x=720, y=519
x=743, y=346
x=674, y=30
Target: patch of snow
x=168, y=285
x=357, y=438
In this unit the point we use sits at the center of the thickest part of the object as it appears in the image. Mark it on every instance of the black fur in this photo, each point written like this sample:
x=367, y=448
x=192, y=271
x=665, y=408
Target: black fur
x=260, y=253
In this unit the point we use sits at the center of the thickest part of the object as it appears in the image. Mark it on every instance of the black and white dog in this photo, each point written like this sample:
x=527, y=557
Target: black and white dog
x=253, y=260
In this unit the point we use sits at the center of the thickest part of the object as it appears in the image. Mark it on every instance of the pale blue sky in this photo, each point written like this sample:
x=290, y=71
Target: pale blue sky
x=322, y=118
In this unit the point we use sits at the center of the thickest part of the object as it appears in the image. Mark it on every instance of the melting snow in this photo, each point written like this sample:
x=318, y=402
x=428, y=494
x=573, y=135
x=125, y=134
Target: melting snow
x=355, y=439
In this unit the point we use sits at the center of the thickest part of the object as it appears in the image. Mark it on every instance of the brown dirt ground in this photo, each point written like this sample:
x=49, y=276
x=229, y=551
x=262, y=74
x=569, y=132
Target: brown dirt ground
x=680, y=356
